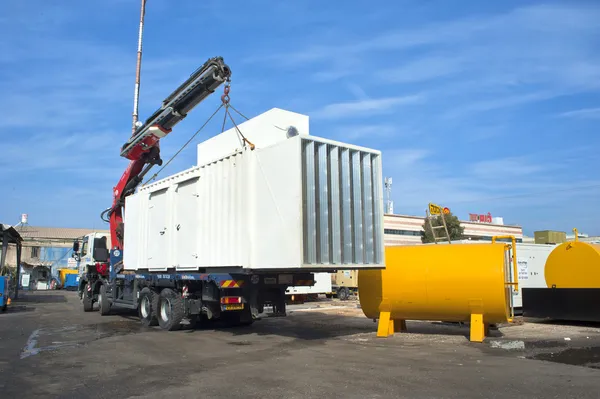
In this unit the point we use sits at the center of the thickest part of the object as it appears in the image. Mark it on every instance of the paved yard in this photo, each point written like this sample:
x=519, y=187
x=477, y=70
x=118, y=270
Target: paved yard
x=50, y=347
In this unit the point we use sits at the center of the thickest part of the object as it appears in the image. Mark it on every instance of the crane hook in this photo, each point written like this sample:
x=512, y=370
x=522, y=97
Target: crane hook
x=225, y=97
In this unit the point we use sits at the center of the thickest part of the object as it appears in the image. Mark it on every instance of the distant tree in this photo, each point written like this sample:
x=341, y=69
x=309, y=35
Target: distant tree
x=454, y=228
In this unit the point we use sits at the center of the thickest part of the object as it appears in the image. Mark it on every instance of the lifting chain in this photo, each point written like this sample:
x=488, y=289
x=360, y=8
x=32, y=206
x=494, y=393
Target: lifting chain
x=225, y=96
x=225, y=104
x=225, y=100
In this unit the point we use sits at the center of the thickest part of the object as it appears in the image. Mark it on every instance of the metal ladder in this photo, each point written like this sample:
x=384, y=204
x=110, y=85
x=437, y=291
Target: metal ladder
x=510, y=271
x=429, y=217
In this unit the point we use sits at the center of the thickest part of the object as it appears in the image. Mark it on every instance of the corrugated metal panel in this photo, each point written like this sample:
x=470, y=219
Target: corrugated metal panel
x=190, y=220
x=323, y=205
x=378, y=235
x=220, y=213
x=310, y=214
x=342, y=204
x=367, y=194
x=346, y=200
x=336, y=209
x=357, y=217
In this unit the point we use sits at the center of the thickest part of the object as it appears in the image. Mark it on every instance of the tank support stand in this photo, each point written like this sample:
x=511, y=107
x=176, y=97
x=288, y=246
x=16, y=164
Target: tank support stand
x=388, y=326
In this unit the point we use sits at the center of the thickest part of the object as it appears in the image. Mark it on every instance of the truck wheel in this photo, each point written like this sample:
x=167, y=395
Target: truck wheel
x=103, y=304
x=148, y=307
x=170, y=310
x=82, y=291
x=86, y=300
x=343, y=293
x=88, y=305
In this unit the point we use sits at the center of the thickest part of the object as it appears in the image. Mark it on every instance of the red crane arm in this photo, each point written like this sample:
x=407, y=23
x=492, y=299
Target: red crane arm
x=142, y=148
x=116, y=216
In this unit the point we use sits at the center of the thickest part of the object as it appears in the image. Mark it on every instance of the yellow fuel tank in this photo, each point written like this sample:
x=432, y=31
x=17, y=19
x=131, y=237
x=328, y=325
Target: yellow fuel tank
x=439, y=282
x=573, y=265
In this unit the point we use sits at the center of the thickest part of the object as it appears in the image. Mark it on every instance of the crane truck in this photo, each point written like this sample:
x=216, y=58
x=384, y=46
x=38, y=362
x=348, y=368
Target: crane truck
x=225, y=238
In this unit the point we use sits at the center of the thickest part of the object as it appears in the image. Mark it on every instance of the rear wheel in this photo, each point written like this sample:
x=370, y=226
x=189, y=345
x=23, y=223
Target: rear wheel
x=148, y=307
x=103, y=304
x=88, y=303
x=170, y=310
x=343, y=293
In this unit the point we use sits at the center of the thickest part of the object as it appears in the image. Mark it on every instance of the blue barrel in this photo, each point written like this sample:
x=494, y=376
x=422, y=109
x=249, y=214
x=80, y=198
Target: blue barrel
x=71, y=281
x=3, y=292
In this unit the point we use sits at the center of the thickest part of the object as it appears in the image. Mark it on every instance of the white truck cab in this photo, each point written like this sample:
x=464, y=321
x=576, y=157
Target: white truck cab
x=89, y=251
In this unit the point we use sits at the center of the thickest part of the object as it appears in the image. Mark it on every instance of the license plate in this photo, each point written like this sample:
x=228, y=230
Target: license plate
x=234, y=307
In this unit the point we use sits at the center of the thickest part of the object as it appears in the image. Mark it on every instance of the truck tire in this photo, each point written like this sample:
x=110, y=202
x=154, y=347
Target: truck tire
x=103, y=303
x=81, y=290
x=88, y=305
x=148, y=307
x=343, y=293
x=170, y=310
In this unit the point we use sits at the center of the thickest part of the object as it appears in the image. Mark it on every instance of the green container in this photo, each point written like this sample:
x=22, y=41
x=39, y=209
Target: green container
x=549, y=237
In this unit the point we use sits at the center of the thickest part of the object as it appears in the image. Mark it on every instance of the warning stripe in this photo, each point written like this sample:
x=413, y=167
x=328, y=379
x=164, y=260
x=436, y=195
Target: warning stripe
x=232, y=283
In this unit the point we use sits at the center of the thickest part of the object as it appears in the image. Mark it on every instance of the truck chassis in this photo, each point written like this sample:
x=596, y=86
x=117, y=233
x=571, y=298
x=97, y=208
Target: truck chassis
x=169, y=298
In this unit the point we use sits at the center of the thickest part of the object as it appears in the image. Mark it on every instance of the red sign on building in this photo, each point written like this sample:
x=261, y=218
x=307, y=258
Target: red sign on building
x=474, y=217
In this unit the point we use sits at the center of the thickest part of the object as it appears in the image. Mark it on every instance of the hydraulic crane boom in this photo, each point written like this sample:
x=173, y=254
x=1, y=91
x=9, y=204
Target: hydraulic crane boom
x=203, y=82
x=142, y=148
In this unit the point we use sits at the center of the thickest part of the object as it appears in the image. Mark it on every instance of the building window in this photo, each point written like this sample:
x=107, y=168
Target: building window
x=35, y=252
x=402, y=232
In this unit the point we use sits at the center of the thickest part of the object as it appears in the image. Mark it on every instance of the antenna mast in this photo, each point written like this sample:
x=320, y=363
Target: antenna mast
x=388, y=189
x=136, y=93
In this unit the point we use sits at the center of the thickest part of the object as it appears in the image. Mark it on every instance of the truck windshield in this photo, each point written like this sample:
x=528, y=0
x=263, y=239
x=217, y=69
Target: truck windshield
x=84, y=247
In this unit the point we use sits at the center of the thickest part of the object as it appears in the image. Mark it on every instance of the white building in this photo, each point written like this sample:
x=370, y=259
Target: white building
x=403, y=230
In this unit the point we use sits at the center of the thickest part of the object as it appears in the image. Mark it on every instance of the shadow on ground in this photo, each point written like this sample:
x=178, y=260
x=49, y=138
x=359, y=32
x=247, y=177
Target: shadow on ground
x=26, y=297
x=322, y=326
x=19, y=309
x=573, y=323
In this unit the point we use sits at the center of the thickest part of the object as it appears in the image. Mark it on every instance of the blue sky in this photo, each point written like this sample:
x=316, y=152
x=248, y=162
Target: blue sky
x=479, y=106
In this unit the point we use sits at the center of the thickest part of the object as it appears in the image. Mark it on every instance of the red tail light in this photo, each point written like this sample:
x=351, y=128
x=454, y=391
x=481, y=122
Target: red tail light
x=227, y=300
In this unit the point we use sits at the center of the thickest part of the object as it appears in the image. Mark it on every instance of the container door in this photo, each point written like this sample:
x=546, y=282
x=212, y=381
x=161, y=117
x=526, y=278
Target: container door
x=185, y=227
x=157, y=230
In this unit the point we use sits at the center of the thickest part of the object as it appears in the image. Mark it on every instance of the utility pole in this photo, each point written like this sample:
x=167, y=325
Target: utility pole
x=136, y=93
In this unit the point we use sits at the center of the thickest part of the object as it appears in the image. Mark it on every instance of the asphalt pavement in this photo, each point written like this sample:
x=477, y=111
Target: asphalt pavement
x=50, y=348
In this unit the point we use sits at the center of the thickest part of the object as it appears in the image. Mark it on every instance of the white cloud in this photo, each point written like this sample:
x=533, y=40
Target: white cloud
x=355, y=132
x=513, y=183
x=519, y=57
x=538, y=20
x=76, y=153
x=584, y=113
x=507, y=168
x=364, y=107
x=423, y=69
x=358, y=91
